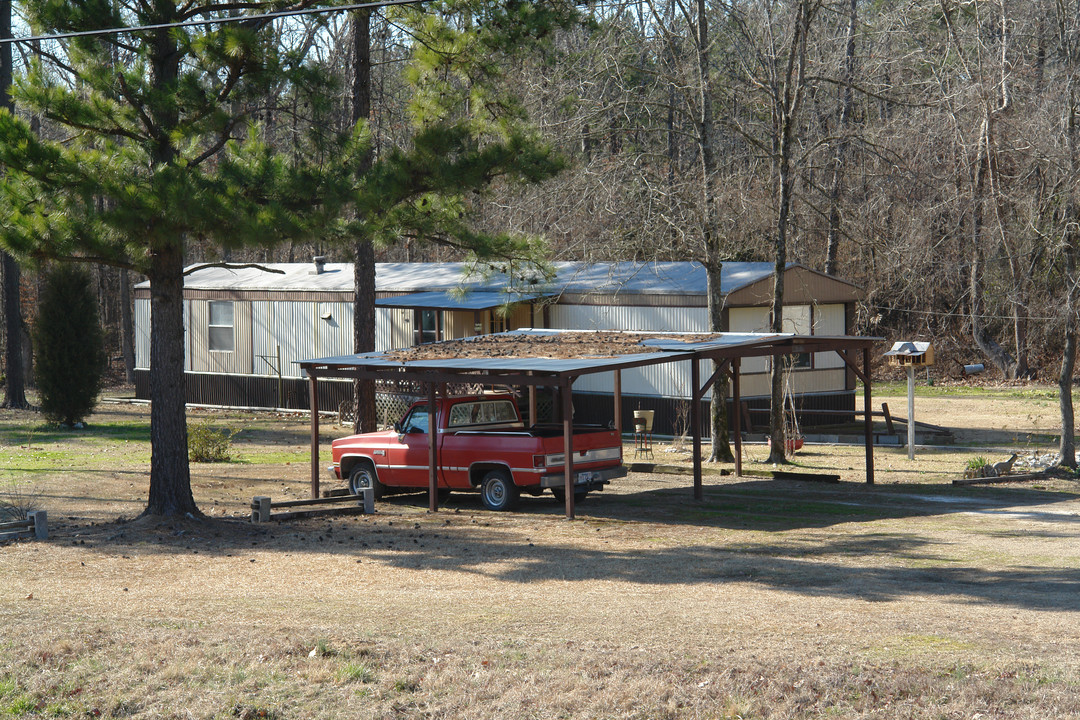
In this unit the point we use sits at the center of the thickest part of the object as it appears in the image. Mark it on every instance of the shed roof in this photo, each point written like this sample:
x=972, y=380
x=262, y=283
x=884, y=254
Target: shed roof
x=530, y=354
x=629, y=278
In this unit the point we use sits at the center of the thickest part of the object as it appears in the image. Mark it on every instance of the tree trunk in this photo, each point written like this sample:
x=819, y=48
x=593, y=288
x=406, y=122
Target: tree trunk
x=991, y=349
x=365, y=419
x=787, y=100
x=1067, y=445
x=721, y=447
x=776, y=375
x=837, y=169
x=15, y=396
x=15, y=379
x=127, y=328
x=170, y=477
x=718, y=417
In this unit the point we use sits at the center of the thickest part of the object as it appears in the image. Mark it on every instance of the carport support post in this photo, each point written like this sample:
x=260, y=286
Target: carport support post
x=695, y=424
x=736, y=401
x=433, y=459
x=314, y=393
x=617, y=409
x=533, y=420
x=911, y=412
x=568, y=445
x=868, y=423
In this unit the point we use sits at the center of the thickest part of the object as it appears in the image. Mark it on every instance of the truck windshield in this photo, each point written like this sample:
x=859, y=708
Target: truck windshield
x=483, y=412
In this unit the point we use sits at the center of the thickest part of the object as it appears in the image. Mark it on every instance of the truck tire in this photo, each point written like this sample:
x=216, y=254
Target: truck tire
x=362, y=476
x=560, y=495
x=498, y=491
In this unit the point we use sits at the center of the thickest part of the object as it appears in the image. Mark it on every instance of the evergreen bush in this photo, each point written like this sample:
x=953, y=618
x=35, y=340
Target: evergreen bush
x=69, y=345
x=205, y=444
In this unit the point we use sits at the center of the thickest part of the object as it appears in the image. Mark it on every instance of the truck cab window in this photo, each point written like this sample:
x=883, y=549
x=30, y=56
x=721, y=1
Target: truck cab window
x=416, y=421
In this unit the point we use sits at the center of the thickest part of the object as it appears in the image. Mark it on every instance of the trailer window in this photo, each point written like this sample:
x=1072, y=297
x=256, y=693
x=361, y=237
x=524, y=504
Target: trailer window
x=220, y=337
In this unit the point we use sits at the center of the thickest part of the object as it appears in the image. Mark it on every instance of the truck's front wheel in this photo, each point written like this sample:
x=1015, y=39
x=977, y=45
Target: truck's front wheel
x=363, y=476
x=498, y=491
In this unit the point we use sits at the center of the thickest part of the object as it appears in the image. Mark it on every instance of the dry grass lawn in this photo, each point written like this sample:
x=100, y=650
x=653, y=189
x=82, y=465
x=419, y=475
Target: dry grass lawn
x=909, y=599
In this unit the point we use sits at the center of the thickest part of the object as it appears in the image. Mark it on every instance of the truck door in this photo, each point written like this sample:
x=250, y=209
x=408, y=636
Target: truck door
x=407, y=454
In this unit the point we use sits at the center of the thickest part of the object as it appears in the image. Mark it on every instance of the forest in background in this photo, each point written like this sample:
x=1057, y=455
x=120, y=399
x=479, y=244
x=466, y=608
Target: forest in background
x=924, y=150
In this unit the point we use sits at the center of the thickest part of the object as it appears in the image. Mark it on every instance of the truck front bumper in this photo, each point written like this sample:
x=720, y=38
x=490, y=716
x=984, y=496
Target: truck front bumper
x=590, y=478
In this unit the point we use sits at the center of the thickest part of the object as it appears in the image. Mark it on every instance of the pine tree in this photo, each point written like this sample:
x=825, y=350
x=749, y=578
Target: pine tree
x=161, y=144
x=69, y=346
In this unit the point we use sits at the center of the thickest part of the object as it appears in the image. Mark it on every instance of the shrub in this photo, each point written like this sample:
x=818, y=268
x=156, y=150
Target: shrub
x=975, y=467
x=205, y=444
x=15, y=503
x=69, y=345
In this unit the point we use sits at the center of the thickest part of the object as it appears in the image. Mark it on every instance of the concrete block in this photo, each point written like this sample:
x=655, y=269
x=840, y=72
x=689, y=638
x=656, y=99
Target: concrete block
x=260, y=509
x=41, y=524
x=367, y=499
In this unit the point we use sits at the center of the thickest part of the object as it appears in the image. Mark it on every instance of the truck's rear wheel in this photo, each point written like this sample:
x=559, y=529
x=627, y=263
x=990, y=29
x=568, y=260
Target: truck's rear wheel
x=363, y=476
x=498, y=491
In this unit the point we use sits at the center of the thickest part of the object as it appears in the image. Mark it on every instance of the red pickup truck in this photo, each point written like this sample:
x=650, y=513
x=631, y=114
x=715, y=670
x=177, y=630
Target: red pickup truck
x=482, y=444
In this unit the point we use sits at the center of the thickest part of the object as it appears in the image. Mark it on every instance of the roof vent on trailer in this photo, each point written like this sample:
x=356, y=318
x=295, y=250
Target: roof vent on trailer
x=320, y=264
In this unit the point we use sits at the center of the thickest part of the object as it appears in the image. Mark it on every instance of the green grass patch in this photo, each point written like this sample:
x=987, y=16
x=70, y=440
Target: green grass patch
x=24, y=433
x=357, y=672
x=972, y=391
x=19, y=705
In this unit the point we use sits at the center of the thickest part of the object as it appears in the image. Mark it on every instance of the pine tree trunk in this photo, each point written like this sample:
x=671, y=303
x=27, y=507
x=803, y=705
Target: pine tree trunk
x=170, y=477
x=365, y=419
x=15, y=396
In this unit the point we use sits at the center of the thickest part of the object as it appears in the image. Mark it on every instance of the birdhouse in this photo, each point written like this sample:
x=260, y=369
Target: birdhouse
x=911, y=354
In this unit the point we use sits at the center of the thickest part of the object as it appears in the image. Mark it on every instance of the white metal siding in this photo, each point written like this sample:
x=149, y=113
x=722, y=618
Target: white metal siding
x=750, y=319
x=828, y=320
x=613, y=317
x=142, y=334
x=393, y=328
x=816, y=381
x=665, y=380
x=300, y=331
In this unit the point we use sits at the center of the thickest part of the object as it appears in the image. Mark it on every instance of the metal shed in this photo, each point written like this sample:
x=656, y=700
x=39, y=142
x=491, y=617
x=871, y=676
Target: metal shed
x=728, y=350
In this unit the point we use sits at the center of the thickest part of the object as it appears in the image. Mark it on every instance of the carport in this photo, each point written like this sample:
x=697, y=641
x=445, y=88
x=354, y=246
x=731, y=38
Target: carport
x=477, y=361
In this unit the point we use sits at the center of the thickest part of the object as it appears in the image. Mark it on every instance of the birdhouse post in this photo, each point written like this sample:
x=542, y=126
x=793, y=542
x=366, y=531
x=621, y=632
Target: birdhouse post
x=911, y=355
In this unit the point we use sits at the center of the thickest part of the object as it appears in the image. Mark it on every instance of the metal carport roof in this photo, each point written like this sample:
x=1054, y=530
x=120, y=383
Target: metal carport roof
x=649, y=348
